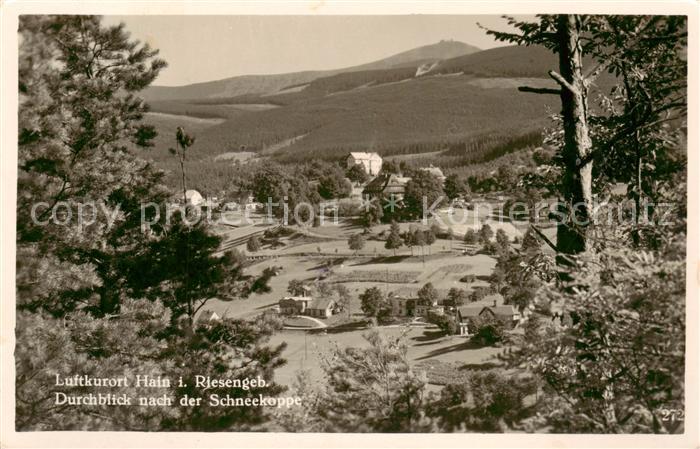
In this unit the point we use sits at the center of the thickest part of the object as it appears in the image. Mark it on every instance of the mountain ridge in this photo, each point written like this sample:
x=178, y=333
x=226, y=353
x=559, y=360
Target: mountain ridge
x=266, y=84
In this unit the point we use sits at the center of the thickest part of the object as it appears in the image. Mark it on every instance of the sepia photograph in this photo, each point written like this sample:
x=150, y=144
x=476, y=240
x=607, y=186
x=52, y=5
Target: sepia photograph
x=351, y=223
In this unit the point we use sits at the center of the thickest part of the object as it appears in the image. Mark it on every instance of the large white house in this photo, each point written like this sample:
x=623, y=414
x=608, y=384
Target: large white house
x=371, y=162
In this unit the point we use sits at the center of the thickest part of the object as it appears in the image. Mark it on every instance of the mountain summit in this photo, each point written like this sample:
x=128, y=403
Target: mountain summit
x=445, y=49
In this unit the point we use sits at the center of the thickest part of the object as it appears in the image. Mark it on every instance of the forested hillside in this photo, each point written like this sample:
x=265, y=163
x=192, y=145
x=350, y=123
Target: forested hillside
x=269, y=84
x=463, y=101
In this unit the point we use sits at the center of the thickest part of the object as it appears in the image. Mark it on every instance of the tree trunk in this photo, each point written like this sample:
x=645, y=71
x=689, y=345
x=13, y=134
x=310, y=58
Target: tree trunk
x=632, y=113
x=573, y=232
x=184, y=185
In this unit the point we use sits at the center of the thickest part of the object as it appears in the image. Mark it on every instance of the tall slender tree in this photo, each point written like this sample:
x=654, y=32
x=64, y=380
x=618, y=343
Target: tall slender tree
x=394, y=240
x=563, y=35
x=182, y=142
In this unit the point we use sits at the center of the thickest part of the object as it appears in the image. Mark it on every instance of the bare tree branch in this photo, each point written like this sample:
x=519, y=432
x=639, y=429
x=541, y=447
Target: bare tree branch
x=551, y=244
x=544, y=237
x=562, y=82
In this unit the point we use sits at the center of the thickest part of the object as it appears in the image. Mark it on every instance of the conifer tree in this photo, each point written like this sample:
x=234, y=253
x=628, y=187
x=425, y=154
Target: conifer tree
x=394, y=240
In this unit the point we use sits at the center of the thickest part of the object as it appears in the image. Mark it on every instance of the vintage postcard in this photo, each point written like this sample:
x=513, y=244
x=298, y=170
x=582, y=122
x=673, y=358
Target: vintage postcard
x=330, y=224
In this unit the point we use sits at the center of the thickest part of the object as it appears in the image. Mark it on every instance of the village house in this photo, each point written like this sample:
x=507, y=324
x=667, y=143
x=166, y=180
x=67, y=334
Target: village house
x=207, y=316
x=402, y=306
x=491, y=307
x=370, y=162
x=243, y=201
x=424, y=308
x=405, y=303
x=306, y=305
x=320, y=308
x=386, y=185
x=294, y=305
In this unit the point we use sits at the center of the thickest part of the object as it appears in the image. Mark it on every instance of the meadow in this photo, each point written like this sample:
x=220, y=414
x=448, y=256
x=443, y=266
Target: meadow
x=403, y=274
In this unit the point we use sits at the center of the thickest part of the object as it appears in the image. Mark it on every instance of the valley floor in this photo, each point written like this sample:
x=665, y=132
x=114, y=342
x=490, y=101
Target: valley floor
x=303, y=257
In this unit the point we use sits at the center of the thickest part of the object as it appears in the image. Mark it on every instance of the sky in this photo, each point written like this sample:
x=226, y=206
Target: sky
x=207, y=48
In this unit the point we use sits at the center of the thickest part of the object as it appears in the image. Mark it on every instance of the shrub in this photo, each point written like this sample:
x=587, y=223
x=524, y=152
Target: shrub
x=478, y=294
x=488, y=332
x=349, y=209
x=356, y=242
x=498, y=400
x=502, y=238
x=253, y=244
x=428, y=294
x=471, y=237
x=456, y=297
x=375, y=305
x=445, y=322
x=485, y=233
x=469, y=278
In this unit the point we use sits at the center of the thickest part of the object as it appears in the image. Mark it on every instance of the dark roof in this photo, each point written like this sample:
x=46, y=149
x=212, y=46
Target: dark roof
x=322, y=304
x=469, y=311
x=294, y=299
x=490, y=298
x=386, y=183
x=402, y=298
x=475, y=311
x=504, y=310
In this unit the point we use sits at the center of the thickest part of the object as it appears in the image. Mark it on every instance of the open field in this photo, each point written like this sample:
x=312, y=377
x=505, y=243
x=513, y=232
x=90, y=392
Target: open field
x=393, y=277
x=309, y=268
x=305, y=351
x=235, y=156
x=184, y=119
x=375, y=267
x=443, y=264
x=461, y=220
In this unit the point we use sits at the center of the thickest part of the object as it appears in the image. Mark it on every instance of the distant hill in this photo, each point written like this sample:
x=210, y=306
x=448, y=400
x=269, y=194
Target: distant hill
x=270, y=84
x=230, y=87
x=507, y=62
x=504, y=63
x=463, y=104
x=435, y=52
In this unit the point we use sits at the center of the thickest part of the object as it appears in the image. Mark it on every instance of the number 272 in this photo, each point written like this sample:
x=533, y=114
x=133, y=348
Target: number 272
x=672, y=414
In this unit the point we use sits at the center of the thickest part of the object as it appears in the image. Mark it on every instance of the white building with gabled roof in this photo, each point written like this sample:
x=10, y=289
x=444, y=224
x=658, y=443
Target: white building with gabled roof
x=370, y=162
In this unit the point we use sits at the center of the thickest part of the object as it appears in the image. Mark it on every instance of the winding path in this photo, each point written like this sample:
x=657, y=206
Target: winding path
x=321, y=324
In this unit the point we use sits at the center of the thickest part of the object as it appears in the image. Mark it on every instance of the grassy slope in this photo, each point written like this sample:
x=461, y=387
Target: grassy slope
x=512, y=61
x=392, y=112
